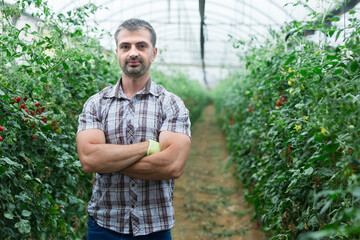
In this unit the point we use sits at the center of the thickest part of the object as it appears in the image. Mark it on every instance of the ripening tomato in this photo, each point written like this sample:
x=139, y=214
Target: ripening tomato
x=1, y=128
x=52, y=123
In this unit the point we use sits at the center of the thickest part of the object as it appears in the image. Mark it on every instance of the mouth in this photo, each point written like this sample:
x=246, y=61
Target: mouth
x=133, y=63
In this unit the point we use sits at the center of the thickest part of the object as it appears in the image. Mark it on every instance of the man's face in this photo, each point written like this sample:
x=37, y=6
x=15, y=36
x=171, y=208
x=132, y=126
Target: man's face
x=135, y=52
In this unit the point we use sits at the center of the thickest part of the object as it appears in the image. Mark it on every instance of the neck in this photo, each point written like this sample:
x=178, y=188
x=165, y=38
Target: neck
x=132, y=85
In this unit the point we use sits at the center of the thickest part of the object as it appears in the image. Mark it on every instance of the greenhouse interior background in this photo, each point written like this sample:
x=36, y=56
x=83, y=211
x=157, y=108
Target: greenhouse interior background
x=272, y=89
x=178, y=27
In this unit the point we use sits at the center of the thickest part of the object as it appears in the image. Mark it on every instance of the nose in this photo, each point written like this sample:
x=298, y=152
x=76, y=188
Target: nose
x=133, y=52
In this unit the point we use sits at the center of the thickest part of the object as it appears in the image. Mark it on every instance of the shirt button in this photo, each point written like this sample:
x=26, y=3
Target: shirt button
x=133, y=185
x=132, y=206
x=131, y=142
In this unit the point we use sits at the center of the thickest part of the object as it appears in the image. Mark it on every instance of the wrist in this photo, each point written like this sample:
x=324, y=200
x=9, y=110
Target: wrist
x=153, y=147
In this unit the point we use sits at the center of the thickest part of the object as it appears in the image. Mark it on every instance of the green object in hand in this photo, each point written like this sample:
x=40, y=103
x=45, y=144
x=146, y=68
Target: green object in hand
x=154, y=147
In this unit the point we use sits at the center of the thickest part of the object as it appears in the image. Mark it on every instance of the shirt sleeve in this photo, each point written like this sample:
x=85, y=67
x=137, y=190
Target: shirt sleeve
x=177, y=117
x=90, y=118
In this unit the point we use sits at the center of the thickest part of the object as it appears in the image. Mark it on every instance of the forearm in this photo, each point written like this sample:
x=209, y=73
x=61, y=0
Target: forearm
x=159, y=166
x=110, y=158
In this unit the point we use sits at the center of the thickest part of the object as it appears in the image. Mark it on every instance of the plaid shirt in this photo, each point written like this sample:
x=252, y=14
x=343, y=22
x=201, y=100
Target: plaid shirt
x=119, y=202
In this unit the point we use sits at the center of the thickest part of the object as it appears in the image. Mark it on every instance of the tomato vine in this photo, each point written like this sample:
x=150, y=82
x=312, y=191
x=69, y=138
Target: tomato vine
x=294, y=132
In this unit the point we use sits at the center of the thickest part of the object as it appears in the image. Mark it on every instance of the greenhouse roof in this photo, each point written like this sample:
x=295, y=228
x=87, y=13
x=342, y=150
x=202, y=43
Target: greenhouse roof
x=178, y=26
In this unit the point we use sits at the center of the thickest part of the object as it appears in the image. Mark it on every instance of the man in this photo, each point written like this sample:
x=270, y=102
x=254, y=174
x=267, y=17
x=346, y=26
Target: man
x=135, y=136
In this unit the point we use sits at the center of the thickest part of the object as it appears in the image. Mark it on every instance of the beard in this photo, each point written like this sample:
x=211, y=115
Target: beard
x=135, y=71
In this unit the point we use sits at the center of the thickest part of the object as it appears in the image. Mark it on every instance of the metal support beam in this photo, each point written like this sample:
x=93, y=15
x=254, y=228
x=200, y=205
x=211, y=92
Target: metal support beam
x=202, y=37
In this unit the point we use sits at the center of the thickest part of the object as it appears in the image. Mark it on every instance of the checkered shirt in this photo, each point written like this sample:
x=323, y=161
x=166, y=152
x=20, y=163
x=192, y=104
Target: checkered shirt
x=121, y=203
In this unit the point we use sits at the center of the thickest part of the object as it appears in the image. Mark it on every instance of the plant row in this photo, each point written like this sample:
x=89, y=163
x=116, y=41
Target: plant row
x=46, y=75
x=292, y=123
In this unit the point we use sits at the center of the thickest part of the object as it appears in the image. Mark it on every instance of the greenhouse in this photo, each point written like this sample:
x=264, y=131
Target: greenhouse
x=169, y=119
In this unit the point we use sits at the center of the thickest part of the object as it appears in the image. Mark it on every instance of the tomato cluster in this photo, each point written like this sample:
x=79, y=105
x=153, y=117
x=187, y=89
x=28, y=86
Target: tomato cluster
x=32, y=112
x=280, y=101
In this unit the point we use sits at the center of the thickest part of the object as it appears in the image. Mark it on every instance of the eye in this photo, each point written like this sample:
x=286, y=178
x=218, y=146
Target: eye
x=124, y=47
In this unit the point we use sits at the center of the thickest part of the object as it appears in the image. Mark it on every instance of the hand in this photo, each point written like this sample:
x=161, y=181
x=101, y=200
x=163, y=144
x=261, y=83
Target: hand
x=154, y=147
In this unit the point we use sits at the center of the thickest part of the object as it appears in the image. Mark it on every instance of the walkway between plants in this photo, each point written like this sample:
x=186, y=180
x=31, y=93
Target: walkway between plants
x=209, y=203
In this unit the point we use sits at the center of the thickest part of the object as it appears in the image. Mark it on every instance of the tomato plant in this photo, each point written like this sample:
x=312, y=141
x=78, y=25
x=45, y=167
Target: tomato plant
x=46, y=76
x=294, y=132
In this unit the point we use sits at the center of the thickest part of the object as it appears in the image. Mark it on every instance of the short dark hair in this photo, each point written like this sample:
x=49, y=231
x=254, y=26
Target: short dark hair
x=134, y=24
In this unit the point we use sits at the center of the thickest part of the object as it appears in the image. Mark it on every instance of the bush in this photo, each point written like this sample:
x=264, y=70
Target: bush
x=46, y=76
x=291, y=121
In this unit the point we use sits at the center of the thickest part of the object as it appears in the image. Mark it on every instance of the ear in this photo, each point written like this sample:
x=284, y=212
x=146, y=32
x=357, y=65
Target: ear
x=154, y=53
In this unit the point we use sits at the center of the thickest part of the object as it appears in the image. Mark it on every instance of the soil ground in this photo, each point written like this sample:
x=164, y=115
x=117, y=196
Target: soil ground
x=209, y=203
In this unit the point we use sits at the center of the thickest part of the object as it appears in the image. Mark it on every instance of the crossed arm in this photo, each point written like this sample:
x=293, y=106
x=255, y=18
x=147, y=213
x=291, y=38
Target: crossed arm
x=97, y=156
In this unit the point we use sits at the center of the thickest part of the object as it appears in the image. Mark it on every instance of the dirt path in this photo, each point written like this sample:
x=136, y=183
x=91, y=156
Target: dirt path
x=208, y=202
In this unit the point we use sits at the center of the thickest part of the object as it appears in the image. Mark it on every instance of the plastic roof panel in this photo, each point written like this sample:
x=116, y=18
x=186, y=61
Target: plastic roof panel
x=177, y=24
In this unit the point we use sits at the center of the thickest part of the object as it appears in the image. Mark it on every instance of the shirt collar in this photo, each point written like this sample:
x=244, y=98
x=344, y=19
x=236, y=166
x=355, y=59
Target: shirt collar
x=117, y=91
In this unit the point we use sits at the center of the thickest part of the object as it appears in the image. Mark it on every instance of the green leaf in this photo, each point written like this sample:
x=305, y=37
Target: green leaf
x=303, y=72
x=275, y=199
x=299, y=105
x=326, y=207
x=1, y=92
x=27, y=177
x=308, y=171
x=356, y=192
x=338, y=71
x=334, y=19
x=9, y=215
x=326, y=172
x=23, y=226
x=10, y=162
x=38, y=180
x=331, y=32
x=40, y=43
x=2, y=169
x=353, y=66
x=26, y=213
x=338, y=34
x=66, y=67
x=290, y=59
x=8, y=231
x=317, y=71
x=313, y=220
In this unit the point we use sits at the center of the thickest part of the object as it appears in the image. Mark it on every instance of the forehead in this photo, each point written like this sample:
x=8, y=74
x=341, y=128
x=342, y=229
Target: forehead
x=140, y=35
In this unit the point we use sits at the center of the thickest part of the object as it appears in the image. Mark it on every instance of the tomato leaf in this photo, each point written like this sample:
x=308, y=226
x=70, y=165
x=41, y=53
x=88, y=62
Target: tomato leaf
x=290, y=59
x=318, y=71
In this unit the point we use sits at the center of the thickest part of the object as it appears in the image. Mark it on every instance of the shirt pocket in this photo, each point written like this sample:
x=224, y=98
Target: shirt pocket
x=150, y=121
